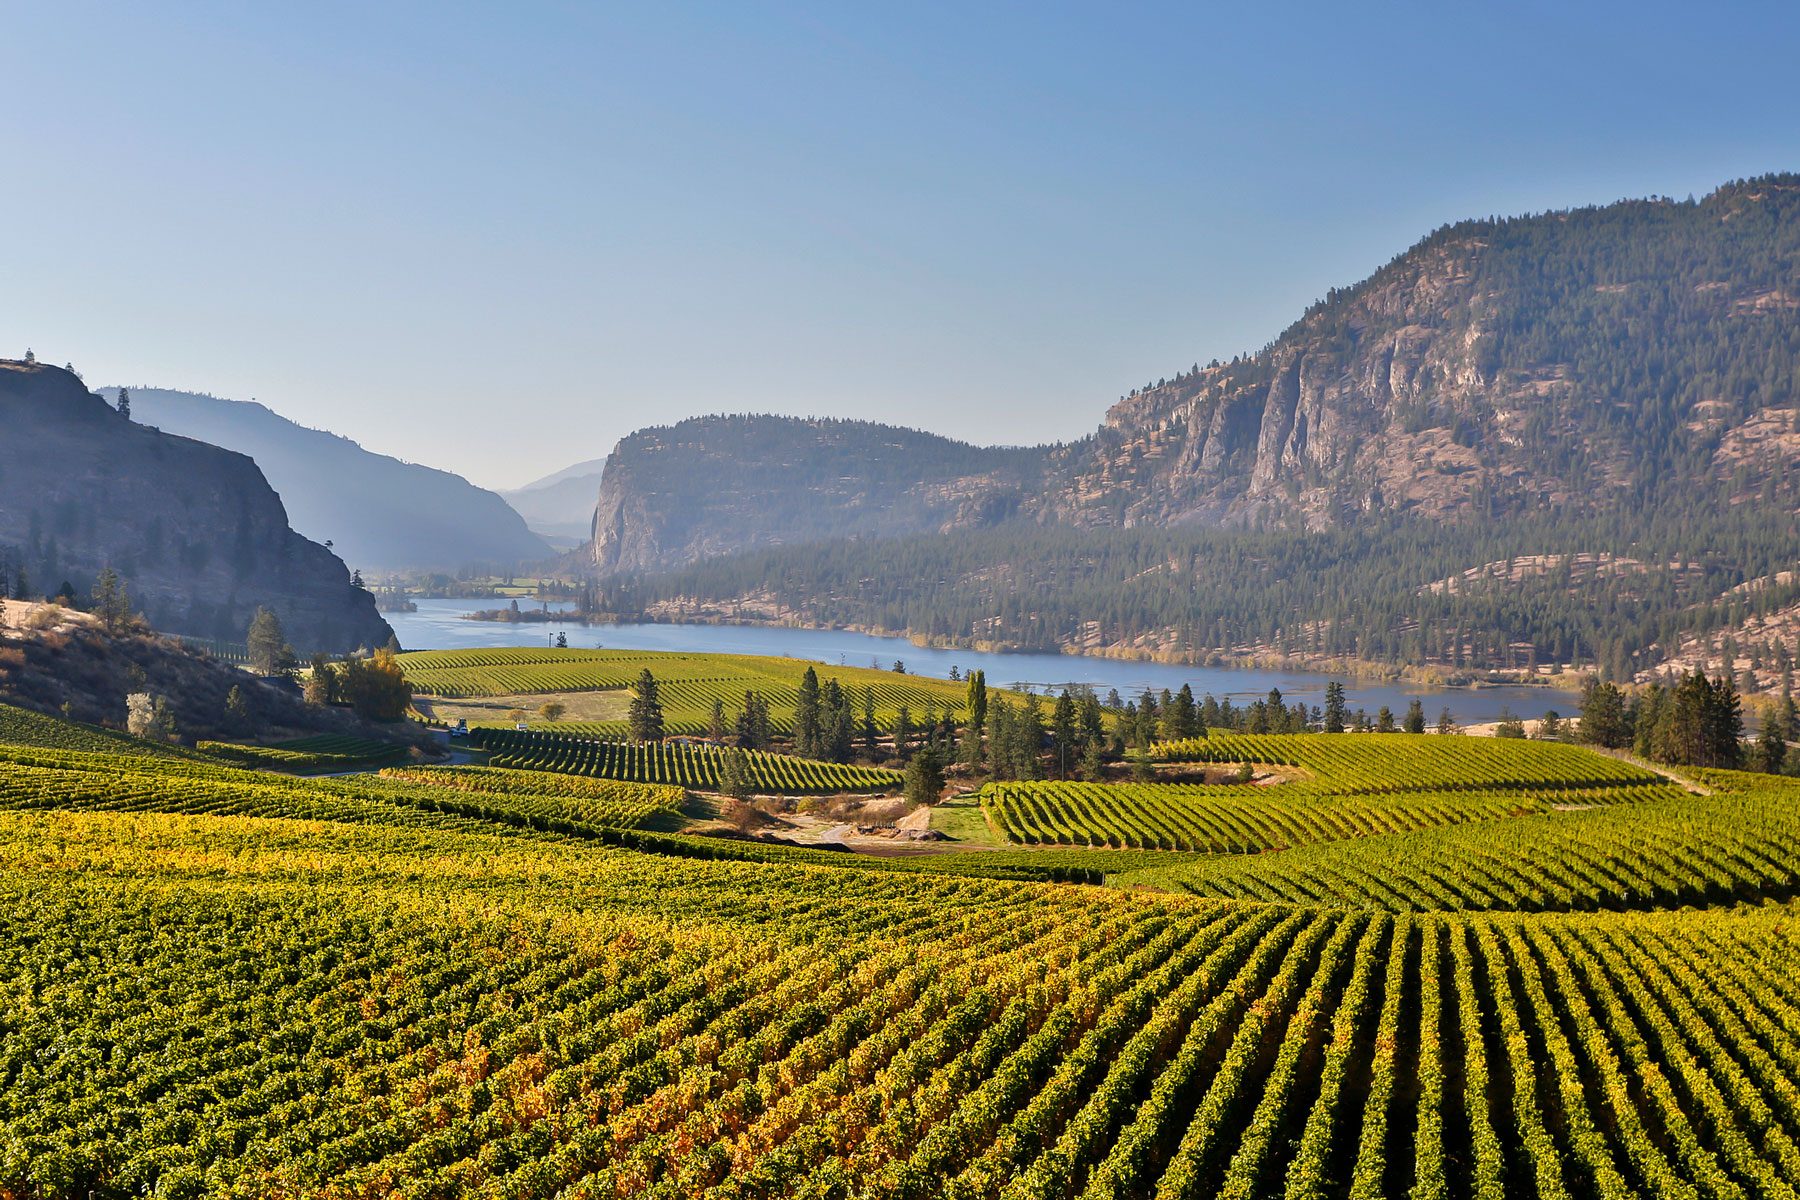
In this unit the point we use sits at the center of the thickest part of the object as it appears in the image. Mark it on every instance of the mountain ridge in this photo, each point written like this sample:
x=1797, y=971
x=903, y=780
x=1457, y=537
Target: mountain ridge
x=379, y=511
x=195, y=530
x=1592, y=358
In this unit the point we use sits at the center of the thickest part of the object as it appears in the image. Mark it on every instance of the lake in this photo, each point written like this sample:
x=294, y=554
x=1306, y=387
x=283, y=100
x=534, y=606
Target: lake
x=439, y=625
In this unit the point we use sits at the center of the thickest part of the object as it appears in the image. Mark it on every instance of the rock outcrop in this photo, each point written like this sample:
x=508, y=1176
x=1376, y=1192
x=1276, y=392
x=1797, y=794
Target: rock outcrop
x=196, y=532
x=712, y=485
x=1593, y=360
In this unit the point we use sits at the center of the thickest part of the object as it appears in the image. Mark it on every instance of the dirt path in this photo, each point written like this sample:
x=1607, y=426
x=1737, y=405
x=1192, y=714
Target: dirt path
x=1693, y=786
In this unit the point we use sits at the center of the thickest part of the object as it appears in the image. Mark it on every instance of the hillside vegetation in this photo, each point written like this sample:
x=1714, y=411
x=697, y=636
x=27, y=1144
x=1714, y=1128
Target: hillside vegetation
x=475, y=982
x=1567, y=438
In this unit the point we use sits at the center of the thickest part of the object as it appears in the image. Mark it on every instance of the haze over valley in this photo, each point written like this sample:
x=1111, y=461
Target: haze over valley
x=890, y=604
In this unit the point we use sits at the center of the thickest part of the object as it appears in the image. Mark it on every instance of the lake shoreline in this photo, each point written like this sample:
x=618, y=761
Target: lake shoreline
x=439, y=625
x=1361, y=670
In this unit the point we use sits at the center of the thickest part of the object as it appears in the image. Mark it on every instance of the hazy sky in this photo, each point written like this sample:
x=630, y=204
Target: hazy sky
x=497, y=238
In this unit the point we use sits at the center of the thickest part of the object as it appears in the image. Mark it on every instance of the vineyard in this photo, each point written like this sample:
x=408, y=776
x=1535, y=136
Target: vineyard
x=324, y=752
x=466, y=981
x=1674, y=850
x=679, y=763
x=1348, y=786
x=1242, y=820
x=688, y=684
x=447, y=1014
x=1349, y=764
x=22, y=727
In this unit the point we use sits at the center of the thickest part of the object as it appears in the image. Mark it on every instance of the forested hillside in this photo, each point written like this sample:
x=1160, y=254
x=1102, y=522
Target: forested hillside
x=1568, y=438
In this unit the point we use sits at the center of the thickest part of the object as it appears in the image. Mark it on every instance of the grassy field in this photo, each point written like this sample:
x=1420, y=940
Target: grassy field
x=481, y=982
x=688, y=684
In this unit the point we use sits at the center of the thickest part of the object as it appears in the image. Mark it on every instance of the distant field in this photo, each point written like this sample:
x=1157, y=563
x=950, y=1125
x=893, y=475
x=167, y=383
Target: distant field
x=674, y=763
x=325, y=752
x=1385, y=763
x=1349, y=786
x=688, y=683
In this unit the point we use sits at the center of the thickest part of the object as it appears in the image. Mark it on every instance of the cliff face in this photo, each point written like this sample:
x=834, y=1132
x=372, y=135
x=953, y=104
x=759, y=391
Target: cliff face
x=712, y=485
x=1593, y=360
x=195, y=531
x=1579, y=360
x=380, y=513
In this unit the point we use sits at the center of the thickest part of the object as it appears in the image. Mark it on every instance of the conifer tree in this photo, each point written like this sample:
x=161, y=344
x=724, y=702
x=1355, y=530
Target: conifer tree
x=644, y=718
x=806, y=716
x=1415, y=716
x=1334, y=707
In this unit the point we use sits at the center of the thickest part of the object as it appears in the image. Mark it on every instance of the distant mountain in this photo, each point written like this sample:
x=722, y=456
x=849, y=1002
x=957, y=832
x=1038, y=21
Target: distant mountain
x=379, y=512
x=1608, y=359
x=197, y=533
x=560, y=506
x=713, y=485
x=1569, y=437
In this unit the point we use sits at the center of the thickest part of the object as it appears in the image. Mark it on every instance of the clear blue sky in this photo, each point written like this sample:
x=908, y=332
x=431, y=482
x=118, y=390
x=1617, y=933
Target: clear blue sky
x=497, y=238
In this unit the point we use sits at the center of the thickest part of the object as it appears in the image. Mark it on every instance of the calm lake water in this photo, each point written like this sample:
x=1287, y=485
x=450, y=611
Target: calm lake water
x=439, y=625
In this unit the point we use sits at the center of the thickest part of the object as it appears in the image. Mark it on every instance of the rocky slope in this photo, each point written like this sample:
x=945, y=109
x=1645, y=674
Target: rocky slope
x=1580, y=359
x=380, y=513
x=1597, y=360
x=197, y=533
x=713, y=485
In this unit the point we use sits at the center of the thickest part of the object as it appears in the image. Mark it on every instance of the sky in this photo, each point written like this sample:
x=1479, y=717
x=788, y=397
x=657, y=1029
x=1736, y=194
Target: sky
x=497, y=238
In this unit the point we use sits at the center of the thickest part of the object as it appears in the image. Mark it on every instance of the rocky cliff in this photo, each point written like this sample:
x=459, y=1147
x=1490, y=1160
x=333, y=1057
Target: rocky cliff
x=196, y=532
x=712, y=485
x=1592, y=360
x=1584, y=359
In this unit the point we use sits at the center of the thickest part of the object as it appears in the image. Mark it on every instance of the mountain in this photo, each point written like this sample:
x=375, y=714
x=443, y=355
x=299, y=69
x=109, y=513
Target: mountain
x=379, y=512
x=712, y=485
x=1556, y=439
x=198, y=534
x=560, y=506
x=1592, y=360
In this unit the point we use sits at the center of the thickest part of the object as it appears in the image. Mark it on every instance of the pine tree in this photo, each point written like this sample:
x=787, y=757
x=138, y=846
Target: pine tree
x=869, y=730
x=1334, y=707
x=125, y=403
x=1062, y=735
x=924, y=779
x=1184, y=717
x=903, y=733
x=237, y=710
x=111, y=604
x=715, y=722
x=1415, y=716
x=1771, y=743
x=806, y=716
x=734, y=773
x=267, y=643
x=1604, y=721
x=644, y=718
x=839, y=732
